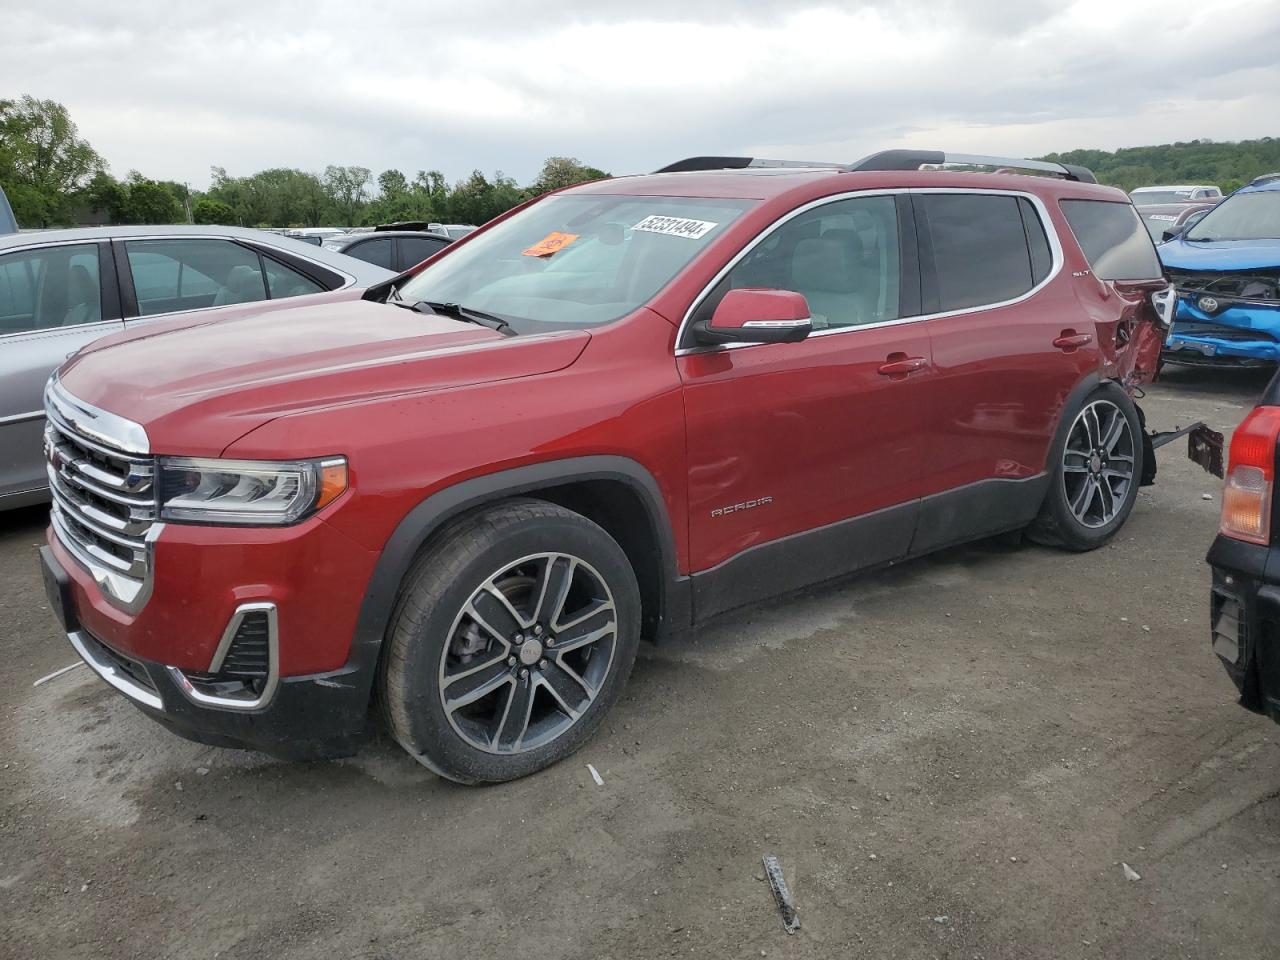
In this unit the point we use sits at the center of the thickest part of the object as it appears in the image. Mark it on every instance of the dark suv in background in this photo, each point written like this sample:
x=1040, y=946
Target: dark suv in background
x=610, y=414
x=396, y=250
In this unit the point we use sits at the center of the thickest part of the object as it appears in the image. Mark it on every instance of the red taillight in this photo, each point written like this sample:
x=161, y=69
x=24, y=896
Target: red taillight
x=1246, y=498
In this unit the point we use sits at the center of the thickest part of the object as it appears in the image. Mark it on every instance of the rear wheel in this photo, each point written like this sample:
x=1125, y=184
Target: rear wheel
x=1096, y=481
x=513, y=638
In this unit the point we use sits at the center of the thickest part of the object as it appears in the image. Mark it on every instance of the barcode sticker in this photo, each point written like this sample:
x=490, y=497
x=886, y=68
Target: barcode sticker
x=675, y=226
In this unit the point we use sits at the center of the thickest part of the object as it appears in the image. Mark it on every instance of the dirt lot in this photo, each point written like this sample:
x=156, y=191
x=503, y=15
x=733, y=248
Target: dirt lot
x=951, y=759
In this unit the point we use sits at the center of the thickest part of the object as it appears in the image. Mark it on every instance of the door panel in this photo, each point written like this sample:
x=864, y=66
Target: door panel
x=1000, y=387
x=1000, y=381
x=787, y=438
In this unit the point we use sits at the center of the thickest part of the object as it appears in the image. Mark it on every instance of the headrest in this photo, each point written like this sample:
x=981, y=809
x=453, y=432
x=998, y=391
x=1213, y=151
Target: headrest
x=824, y=263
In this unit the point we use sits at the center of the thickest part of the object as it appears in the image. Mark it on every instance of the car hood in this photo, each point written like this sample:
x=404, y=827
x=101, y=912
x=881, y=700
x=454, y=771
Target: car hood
x=1220, y=254
x=196, y=388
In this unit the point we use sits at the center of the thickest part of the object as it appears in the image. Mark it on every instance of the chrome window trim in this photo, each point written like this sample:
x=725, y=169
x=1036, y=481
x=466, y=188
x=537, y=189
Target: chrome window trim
x=109, y=673
x=203, y=699
x=779, y=324
x=40, y=244
x=1042, y=211
x=243, y=241
x=55, y=331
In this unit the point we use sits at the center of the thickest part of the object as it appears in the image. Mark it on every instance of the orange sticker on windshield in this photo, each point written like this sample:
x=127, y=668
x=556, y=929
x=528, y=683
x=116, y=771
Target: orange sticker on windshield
x=553, y=242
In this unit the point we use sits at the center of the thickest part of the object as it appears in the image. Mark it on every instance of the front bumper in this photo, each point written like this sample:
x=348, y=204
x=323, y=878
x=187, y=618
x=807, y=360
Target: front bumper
x=1239, y=335
x=300, y=717
x=1244, y=620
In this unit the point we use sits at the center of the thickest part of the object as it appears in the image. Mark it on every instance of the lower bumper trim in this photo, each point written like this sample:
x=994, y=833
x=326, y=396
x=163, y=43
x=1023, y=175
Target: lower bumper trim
x=111, y=672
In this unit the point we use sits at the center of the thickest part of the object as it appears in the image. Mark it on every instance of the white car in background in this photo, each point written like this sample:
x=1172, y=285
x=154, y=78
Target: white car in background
x=1181, y=193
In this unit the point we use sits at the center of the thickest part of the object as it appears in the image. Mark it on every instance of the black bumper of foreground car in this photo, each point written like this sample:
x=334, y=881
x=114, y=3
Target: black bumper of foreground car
x=1244, y=620
x=306, y=718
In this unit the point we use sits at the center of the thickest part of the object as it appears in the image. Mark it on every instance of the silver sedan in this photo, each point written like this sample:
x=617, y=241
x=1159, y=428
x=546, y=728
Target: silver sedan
x=62, y=289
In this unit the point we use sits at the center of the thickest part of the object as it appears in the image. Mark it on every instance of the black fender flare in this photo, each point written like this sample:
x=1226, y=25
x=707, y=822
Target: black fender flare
x=429, y=516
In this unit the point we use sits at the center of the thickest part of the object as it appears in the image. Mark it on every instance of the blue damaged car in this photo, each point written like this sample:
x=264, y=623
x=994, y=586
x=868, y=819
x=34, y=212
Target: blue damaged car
x=1226, y=270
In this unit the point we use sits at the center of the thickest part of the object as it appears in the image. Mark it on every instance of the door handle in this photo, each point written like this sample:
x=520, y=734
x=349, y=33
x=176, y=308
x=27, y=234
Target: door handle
x=899, y=366
x=1070, y=340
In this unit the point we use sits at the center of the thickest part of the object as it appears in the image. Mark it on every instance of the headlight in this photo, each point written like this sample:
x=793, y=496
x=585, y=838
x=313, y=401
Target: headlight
x=1166, y=303
x=248, y=492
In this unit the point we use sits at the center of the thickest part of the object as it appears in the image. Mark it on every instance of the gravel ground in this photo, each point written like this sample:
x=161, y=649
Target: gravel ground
x=952, y=759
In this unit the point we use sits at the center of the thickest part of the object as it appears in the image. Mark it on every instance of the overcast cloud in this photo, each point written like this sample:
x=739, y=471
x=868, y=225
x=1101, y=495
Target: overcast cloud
x=171, y=89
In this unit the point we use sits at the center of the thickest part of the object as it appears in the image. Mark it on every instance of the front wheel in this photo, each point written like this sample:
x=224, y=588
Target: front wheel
x=514, y=636
x=1095, y=483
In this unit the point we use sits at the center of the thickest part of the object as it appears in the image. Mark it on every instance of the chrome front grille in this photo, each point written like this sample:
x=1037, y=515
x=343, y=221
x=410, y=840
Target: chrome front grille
x=104, y=504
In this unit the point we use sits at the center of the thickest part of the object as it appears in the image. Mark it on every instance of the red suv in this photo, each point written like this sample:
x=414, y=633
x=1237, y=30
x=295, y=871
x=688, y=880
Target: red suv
x=610, y=414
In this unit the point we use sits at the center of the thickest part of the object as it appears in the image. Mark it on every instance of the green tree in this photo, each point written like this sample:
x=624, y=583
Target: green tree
x=559, y=172
x=43, y=159
x=392, y=185
x=279, y=197
x=396, y=200
x=107, y=194
x=345, y=187
x=210, y=211
x=1229, y=165
x=470, y=200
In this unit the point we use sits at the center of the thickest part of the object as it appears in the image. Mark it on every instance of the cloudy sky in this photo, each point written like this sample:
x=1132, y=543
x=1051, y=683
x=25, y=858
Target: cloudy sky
x=170, y=88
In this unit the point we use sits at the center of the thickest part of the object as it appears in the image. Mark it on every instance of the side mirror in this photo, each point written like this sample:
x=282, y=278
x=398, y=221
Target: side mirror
x=1186, y=225
x=756, y=315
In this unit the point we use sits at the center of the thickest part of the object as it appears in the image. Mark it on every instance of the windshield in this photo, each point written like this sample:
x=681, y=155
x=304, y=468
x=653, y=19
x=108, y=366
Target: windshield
x=574, y=261
x=1245, y=216
x=1149, y=198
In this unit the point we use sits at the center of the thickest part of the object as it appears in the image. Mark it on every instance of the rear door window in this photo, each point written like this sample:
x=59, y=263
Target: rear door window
x=284, y=282
x=980, y=248
x=377, y=252
x=1113, y=238
x=192, y=274
x=49, y=287
x=413, y=250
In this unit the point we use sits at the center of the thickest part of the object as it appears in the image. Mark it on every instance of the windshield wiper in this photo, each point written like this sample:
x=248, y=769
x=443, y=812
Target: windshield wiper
x=459, y=312
x=1202, y=239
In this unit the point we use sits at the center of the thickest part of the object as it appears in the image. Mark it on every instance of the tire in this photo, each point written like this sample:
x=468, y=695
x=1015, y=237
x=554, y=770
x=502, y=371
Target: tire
x=527, y=611
x=1096, y=475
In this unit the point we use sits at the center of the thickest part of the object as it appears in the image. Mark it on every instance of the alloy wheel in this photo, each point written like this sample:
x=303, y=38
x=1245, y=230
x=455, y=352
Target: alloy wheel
x=1098, y=463
x=528, y=653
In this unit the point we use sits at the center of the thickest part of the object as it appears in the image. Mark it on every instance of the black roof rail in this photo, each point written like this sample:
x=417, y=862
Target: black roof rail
x=690, y=164
x=914, y=159
x=888, y=160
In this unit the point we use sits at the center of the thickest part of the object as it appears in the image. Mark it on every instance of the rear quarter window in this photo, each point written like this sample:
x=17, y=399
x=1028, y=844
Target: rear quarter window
x=1113, y=238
